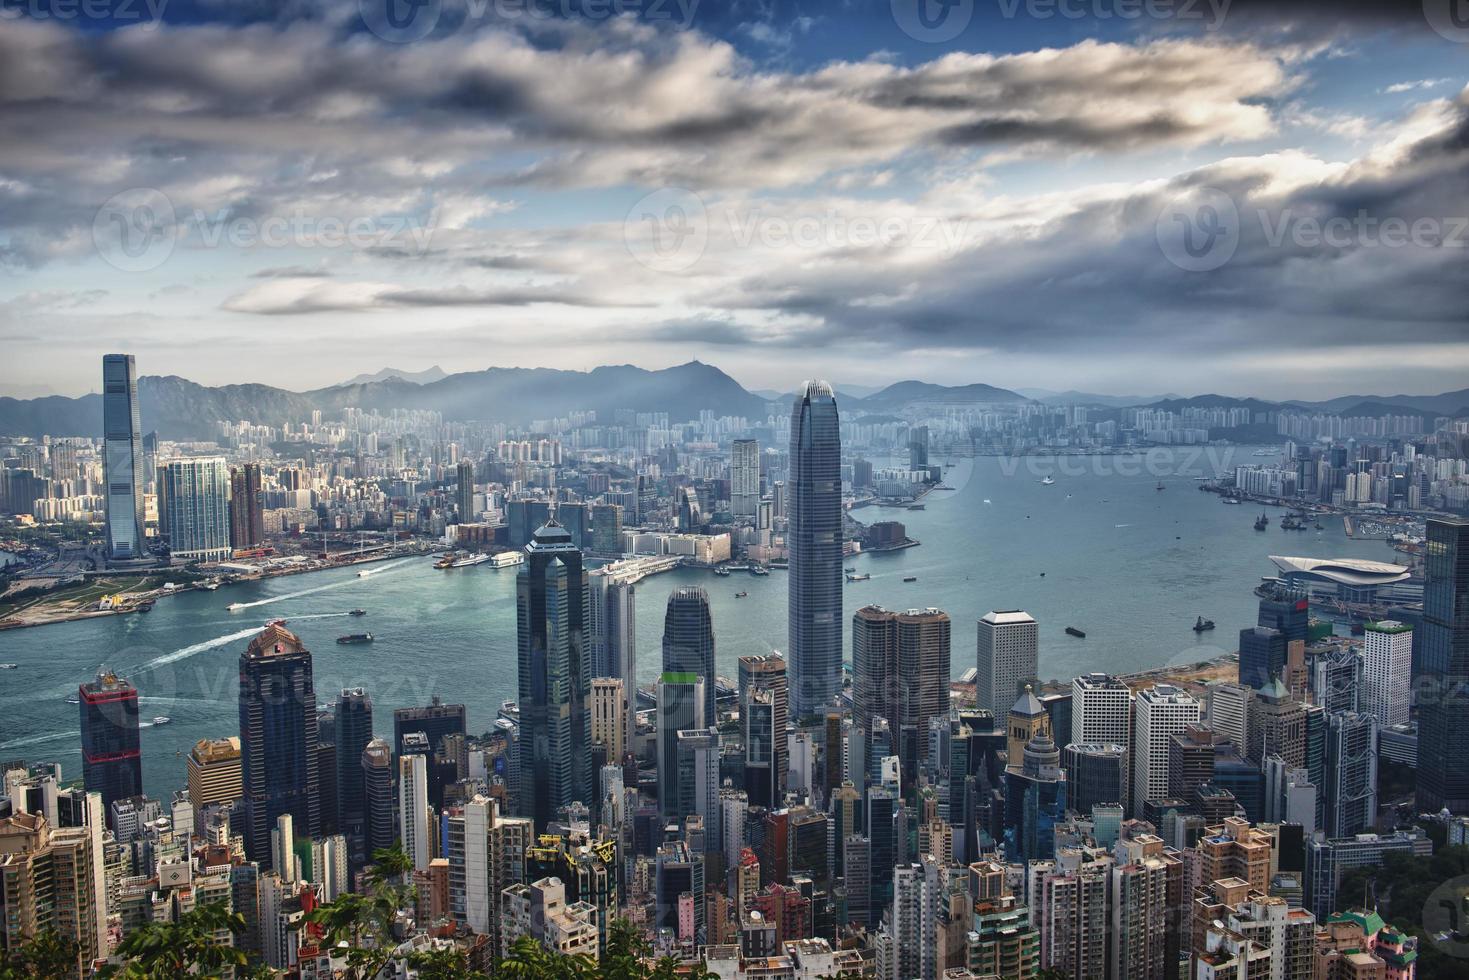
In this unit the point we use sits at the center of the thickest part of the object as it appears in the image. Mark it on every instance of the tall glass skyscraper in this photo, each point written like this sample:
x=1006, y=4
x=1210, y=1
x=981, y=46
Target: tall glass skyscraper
x=195, y=495
x=122, y=458
x=554, y=662
x=354, y=732
x=814, y=541
x=1443, y=734
x=278, y=737
x=111, y=754
x=688, y=640
x=744, y=477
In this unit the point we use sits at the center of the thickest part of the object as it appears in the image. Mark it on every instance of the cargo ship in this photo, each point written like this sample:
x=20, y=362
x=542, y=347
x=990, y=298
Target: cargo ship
x=1073, y=631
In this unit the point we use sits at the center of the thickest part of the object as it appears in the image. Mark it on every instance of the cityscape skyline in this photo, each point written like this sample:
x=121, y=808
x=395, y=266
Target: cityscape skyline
x=1036, y=433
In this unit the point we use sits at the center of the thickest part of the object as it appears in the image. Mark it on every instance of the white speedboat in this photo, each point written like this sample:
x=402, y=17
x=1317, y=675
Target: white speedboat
x=1048, y=481
x=161, y=720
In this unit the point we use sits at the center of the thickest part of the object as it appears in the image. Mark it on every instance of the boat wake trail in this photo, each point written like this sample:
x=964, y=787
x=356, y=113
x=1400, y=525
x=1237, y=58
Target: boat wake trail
x=16, y=743
x=240, y=607
x=183, y=653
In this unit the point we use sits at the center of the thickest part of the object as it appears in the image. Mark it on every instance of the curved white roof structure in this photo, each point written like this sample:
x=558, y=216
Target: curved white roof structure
x=1341, y=571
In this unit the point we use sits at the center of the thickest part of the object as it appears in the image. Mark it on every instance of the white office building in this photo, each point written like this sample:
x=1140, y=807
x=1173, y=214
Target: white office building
x=415, y=817
x=1162, y=711
x=1101, y=711
x=1005, y=659
x=1387, y=672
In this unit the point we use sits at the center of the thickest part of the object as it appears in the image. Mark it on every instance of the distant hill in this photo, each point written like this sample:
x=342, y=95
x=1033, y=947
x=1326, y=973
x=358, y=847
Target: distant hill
x=429, y=376
x=1448, y=403
x=918, y=392
x=1073, y=397
x=1215, y=401
x=181, y=409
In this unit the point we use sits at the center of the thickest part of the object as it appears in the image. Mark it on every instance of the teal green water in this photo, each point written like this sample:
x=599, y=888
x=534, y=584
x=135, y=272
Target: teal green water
x=1130, y=565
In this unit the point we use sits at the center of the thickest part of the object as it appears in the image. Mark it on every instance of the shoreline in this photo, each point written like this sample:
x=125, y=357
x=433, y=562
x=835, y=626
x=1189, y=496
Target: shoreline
x=143, y=601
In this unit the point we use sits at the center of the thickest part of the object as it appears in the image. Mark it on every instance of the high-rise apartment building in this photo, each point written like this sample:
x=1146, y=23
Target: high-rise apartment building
x=122, y=459
x=554, y=670
x=194, y=508
x=688, y=640
x=112, y=758
x=415, y=816
x=900, y=673
x=278, y=738
x=744, y=477
x=247, y=507
x=464, y=492
x=814, y=544
x=1006, y=659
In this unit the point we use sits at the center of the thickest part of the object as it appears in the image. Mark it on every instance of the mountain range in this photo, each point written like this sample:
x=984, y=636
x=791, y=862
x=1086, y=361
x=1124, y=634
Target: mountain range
x=181, y=409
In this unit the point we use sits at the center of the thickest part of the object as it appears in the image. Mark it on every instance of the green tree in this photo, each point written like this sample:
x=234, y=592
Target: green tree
x=365, y=922
x=47, y=955
x=167, y=950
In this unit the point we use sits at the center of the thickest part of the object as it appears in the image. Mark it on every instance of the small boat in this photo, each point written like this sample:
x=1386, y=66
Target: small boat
x=722, y=572
x=276, y=622
x=211, y=586
x=849, y=570
x=1048, y=481
x=355, y=638
x=759, y=570
x=1043, y=574
x=234, y=607
x=161, y=720
x=1202, y=625
x=9, y=666
x=364, y=573
x=73, y=700
x=1231, y=500
x=741, y=595
x=1073, y=631
x=858, y=577
x=914, y=578
x=1262, y=522
x=357, y=612
x=1160, y=486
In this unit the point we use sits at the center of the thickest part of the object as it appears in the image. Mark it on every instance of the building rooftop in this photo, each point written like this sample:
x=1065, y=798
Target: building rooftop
x=1342, y=571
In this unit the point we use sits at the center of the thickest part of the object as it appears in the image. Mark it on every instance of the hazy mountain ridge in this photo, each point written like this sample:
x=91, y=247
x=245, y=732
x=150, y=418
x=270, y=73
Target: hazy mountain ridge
x=427, y=376
x=181, y=409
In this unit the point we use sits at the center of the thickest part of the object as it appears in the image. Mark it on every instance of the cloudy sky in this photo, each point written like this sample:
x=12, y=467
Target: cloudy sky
x=1123, y=196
